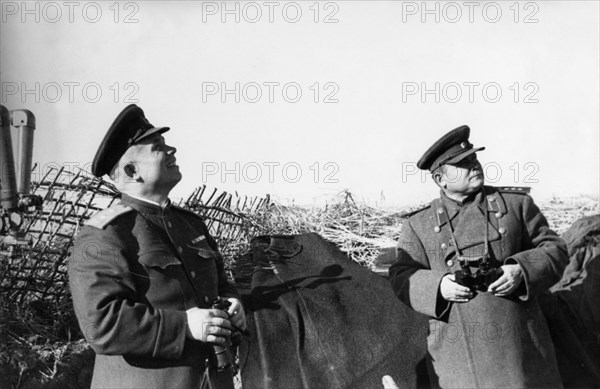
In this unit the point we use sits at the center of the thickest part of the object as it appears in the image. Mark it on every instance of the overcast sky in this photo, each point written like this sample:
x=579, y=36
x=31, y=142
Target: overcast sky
x=304, y=99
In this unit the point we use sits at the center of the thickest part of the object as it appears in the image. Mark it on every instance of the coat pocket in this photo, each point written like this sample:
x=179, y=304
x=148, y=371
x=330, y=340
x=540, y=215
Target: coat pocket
x=158, y=259
x=162, y=281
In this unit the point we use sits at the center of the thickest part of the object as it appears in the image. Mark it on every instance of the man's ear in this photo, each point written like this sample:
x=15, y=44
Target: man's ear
x=438, y=178
x=132, y=173
x=130, y=170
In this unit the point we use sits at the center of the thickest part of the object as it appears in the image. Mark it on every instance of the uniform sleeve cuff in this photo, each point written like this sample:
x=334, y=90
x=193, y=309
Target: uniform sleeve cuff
x=425, y=293
x=171, y=334
x=442, y=306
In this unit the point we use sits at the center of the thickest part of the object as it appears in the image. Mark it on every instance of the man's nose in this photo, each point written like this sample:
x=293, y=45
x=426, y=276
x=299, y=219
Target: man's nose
x=171, y=150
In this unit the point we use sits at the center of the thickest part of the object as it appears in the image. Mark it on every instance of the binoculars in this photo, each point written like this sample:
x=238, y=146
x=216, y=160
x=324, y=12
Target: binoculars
x=481, y=278
x=224, y=357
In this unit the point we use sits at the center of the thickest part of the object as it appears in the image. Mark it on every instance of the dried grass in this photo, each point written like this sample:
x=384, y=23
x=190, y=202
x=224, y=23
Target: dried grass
x=358, y=229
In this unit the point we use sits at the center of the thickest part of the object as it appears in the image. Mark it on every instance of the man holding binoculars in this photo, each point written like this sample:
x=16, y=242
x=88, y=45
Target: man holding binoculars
x=147, y=280
x=473, y=261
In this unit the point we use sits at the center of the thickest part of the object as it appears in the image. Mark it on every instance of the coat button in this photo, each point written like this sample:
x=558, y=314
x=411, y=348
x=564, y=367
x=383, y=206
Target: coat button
x=206, y=300
x=193, y=274
x=444, y=246
x=502, y=230
x=436, y=229
x=450, y=263
x=440, y=210
x=498, y=215
x=180, y=250
x=169, y=224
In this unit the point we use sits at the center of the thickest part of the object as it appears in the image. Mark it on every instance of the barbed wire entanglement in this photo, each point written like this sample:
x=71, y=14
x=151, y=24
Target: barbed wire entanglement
x=38, y=272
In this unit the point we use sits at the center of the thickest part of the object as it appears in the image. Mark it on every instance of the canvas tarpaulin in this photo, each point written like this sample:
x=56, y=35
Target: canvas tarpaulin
x=318, y=320
x=572, y=307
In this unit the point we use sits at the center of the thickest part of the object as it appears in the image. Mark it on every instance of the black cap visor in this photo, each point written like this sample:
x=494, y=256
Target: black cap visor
x=150, y=132
x=461, y=156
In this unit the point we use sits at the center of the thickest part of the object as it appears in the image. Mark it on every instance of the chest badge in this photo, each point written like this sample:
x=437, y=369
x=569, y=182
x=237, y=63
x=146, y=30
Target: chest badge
x=198, y=239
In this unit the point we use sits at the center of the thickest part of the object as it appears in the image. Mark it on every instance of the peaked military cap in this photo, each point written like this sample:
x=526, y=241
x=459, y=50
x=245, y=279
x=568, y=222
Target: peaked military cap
x=130, y=127
x=450, y=148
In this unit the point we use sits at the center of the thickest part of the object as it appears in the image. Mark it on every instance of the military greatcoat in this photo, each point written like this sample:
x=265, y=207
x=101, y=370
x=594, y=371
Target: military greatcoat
x=490, y=341
x=136, y=268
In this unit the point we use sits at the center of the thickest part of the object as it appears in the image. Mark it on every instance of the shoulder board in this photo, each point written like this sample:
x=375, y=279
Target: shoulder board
x=411, y=212
x=104, y=217
x=514, y=189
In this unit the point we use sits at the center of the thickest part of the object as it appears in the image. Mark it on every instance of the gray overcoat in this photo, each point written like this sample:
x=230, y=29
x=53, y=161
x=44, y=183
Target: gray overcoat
x=488, y=342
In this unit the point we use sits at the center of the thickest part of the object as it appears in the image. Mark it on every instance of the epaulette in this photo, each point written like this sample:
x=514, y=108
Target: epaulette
x=104, y=217
x=514, y=189
x=408, y=214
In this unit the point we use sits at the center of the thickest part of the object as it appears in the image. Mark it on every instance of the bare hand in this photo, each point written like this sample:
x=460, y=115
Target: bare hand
x=208, y=325
x=388, y=382
x=508, y=282
x=452, y=291
x=236, y=313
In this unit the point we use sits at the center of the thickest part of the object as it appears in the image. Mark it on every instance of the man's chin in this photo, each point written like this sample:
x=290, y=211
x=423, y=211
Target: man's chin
x=176, y=177
x=174, y=170
x=477, y=183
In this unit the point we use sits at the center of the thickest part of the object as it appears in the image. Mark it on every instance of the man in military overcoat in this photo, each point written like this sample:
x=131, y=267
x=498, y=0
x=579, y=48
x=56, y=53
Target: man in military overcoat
x=473, y=261
x=145, y=273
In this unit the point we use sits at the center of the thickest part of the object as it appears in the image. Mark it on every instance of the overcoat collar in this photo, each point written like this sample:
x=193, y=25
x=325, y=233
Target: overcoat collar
x=471, y=219
x=145, y=208
x=487, y=199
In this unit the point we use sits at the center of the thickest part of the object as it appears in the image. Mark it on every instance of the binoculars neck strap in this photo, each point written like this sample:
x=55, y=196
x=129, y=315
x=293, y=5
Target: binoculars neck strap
x=459, y=253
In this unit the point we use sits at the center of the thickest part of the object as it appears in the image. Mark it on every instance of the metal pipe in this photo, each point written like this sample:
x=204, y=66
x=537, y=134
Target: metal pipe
x=24, y=121
x=8, y=180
